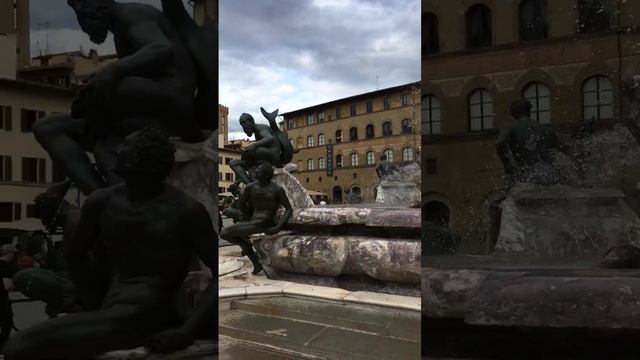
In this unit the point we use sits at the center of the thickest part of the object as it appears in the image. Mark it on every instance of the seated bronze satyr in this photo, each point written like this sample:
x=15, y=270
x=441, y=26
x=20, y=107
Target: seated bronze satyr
x=128, y=257
x=259, y=203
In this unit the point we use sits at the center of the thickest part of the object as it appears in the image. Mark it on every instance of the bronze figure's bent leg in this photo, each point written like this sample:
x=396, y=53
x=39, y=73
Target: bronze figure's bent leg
x=65, y=139
x=238, y=167
x=81, y=335
x=141, y=98
x=272, y=155
x=237, y=234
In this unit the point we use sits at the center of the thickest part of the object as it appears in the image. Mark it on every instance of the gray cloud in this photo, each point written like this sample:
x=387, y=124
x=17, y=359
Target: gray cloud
x=54, y=28
x=301, y=53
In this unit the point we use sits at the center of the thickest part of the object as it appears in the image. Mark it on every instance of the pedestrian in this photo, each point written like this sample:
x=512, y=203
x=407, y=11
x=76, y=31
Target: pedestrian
x=7, y=269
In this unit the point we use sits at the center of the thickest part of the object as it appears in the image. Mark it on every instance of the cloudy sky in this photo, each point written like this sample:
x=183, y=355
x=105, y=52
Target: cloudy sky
x=285, y=54
x=54, y=28
x=289, y=54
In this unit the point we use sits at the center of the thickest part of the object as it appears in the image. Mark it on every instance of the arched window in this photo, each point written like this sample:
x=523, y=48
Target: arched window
x=478, y=24
x=309, y=141
x=597, y=98
x=354, y=159
x=309, y=164
x=480, y=110
x=407, y=154
x=299, y=143
x=369, y=132
x=338, y=136
x=356, y=190
x=539, y=96
x=406, y=126
x=353, y=134
x=371, y=158
x=321, y=163
x=387, y=130
x=389, y=153
x=431, y=123
x=321, y=139
x=533, y=20
x=594, y=16
x=338, y=160
x=430, y=36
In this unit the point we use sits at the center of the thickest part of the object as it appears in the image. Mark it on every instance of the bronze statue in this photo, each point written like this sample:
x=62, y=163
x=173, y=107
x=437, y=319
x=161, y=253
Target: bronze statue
x=164, y=59
x=259, y=202
x=128, y=257
x=524, y=147
x=386, y=169
x=271, y=145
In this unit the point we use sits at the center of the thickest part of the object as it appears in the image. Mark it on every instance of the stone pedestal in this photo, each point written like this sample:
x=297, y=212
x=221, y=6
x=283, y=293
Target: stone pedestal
x=398, y=193
x=371, y=246
x=565, y=221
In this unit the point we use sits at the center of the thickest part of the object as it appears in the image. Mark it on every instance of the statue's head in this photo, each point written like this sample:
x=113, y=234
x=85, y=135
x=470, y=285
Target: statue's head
x=94, y=17
x=383, y=157
x=247, y=123
x=146, y=156
x=264, y=172
x=520, y=108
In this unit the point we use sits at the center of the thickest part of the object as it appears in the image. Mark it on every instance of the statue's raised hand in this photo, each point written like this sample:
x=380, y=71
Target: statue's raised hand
x=170, y=341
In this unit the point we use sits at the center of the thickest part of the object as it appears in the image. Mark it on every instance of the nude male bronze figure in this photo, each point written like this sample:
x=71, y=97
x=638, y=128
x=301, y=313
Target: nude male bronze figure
x=142, y=236
x=524, y=147
x=259, y=202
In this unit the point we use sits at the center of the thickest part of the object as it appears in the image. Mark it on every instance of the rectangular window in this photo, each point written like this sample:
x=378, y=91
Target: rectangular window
x=353, y=110
x=387, y=103
x=220, y=176
x=228, y=177
x=42, y=171
x=227, y=161
x=15, y=14
x=31, y=211
x=309, y=119
x=6, y=212
x=291, y=123
x=27, y=119
x=34, y=170
x=338, y=113
x=369, y=106
x=6, y=168
x=321, y=117
x=6, y=122
x=406, y=100
x=17, y=211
